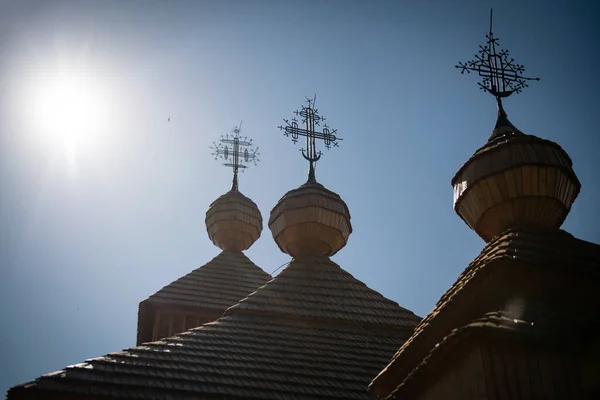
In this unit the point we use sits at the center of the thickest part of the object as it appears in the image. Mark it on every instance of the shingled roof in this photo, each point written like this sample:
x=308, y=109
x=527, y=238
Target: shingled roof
x=316, y=287
x=220, y=283
x=537, y=323
x=215, y=286
x=312, y=332
x=554, y=251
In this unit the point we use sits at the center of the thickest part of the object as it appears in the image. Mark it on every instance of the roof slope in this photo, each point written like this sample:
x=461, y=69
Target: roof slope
x=312, y=332
x=211, y=289
x=220, y=283
x=316, y=287
x=554, y=250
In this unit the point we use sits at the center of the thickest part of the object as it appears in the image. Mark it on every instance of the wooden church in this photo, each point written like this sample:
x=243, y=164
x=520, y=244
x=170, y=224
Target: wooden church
x=520, y=322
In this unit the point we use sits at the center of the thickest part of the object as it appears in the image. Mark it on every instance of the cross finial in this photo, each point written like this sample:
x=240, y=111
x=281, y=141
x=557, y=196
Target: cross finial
x=310, y=119
x=501, y=76
x=237, y=151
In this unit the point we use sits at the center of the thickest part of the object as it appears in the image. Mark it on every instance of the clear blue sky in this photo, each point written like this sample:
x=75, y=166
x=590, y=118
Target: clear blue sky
x=91, y=228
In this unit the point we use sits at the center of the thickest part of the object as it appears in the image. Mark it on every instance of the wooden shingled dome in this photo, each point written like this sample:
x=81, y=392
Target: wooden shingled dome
x=310, y=220
x=515, y=180
x=233, y=221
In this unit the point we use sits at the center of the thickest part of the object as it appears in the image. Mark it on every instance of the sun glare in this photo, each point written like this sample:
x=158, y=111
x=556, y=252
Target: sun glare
x=69, y=110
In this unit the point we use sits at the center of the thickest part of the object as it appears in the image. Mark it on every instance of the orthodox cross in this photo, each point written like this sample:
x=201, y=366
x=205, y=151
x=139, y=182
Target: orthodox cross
x=237, y=151
x=501, y=76
x=310, y=120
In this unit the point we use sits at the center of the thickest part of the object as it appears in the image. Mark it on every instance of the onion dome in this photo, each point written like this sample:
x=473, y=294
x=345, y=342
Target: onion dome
x=310, y=220
x=233, y=221
x=515, y=180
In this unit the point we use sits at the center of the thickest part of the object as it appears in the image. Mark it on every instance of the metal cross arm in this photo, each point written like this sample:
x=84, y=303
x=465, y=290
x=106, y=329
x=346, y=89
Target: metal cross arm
x=328, y=137
x=511, y=71
x=244, y=155
x=235, y=141
x=233, y=165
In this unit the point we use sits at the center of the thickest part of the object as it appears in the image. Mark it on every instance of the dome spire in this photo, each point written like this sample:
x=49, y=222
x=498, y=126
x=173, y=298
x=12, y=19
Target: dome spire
x=233, y=221
x=311, y=120
x=500, y=77
x=310, y=220
x=237, y=151
x=515, y=180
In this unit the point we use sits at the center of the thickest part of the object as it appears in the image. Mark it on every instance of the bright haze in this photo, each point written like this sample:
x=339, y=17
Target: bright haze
x=108, y=110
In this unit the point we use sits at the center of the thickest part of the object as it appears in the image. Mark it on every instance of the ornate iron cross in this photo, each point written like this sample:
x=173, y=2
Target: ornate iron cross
x=310, y=119
x=501, y=76
x=237, y=151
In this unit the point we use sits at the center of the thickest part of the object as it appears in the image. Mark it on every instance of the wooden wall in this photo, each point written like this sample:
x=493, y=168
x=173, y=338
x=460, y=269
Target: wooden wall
x=510, y=369
x=156, y=322
x=169, y=322
x=463, y=379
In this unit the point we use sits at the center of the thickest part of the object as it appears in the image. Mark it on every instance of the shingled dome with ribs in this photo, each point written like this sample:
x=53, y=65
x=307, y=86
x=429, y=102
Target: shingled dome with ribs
x=515, y=180
x=233, y=221
x=310, y=220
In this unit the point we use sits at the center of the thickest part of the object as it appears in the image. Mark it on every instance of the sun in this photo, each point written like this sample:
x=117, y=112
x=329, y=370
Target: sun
x=69, y=111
